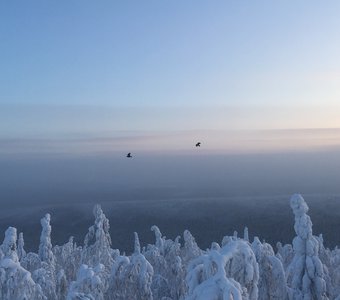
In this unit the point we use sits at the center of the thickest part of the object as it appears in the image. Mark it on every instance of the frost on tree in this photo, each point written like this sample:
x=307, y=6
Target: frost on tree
x=325, y=255
x=160, y=241
x=97, y=243
x=155, y=255
x=16, y=283
x=131, y=278
x=168, y=281
x=191, y=249
x=335, y=272
x=68, y=259
x=21, y=250
x=246, y=234
x=228, y=273
x=305, y=273
x=272, y=281
x=169, y=270
x=89, y=284
x=45, y=247
x=118, y=287
x=285, y=254
x=45, y=275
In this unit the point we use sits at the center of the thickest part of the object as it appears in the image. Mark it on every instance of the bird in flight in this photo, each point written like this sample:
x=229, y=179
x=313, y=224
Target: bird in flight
x=198, y=144
x=128, y=155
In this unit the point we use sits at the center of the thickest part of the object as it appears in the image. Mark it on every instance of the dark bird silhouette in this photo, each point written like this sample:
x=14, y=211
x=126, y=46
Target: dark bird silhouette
x=198, y=144
x=128, y=155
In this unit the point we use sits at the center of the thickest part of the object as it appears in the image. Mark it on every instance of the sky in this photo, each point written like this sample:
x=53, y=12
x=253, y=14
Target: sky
x=97, y=69
x=84, y=82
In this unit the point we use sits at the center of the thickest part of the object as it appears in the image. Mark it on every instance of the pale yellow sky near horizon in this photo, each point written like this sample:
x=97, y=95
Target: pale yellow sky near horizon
x=180, y=143
x=107, y=129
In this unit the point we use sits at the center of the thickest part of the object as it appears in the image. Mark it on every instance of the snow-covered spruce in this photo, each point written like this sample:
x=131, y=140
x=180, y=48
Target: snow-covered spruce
x=213, y=275
x=305, y=273
x=15, y=281
x=272, y=282
x=236, y=269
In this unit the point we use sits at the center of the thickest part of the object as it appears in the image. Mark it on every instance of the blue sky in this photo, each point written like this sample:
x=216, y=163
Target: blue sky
x=65, y=65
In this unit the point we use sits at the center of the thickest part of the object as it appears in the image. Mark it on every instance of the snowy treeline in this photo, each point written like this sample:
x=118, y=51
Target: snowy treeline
x=236, y=268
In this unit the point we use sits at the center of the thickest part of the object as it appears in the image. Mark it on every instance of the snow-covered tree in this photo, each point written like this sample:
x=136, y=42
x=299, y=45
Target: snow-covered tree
x=9, y=246
x=68, y=259
x=97, y=243
x=118, y=287
x=45, y=276
x=131, y=278
x=62, y=285
x=160, y=241
x=242, y=267
x=305, y=273
x=230, y=272
x=169, y=273
x=272, y=282
x=89, y=284
x=285, y=254
x=246, y=234
x=167, y=270
x=175, y=271
x=334, y=272
x=45, y=247
x=191, y=249
x=31, y=262
x=21, y=243
x=16, y=283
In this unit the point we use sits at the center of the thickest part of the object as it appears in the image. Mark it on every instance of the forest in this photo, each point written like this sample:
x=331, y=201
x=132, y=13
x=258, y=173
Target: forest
x=232, y=269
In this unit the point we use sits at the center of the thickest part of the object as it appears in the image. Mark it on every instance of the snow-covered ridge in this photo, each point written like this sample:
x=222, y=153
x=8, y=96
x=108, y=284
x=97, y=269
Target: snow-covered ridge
x=233, y=269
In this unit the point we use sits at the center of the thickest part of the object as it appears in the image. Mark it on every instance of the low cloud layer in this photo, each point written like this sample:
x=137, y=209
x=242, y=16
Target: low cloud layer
x=178, y=142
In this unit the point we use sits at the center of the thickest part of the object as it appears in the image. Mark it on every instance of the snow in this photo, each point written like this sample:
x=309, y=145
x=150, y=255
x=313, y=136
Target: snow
x=45, y=247
x=8, y=263
x=305, y=273
x=21, y=244
x=236, y=269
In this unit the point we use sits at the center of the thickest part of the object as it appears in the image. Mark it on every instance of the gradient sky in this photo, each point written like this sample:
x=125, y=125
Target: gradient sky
x=83, y=82
x=87, y=67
